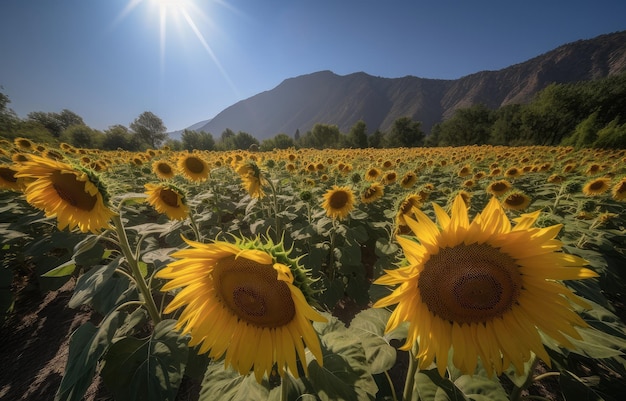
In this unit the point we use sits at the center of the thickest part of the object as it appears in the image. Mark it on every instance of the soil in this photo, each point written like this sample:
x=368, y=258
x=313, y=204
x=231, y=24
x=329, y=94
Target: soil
x=34, y=345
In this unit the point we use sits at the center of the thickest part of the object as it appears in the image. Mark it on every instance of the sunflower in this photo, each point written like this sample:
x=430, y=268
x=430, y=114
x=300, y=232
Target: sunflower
x=389, y=177
x=252, y=179
x=513, y=172
x=24, y=144
x=406, y=206
x=372, y=174
x=245, y=301
x=372, y=193
x=499, y=187
x=619, y=190
x=8, y=180
x=409, y=179
x=465, y=171
x=163, y=169
x=193, y=167
x=167, y=199
x=597, y=186
x=515, y=200
x=338, y=202
x=75, y=196
x=485, y=289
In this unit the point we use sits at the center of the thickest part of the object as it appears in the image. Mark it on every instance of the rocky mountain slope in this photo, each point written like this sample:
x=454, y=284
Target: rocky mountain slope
x=324, y=97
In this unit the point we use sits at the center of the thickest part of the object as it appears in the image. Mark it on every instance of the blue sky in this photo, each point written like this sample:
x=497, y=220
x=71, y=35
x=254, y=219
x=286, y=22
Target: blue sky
x=187, y=60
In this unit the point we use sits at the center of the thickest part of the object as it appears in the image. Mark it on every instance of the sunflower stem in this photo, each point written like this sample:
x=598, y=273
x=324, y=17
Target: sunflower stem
x=195, y=228
x=277, y=227
x=284, y=389
x=134, y=267
x=516, y=394
x=394, y=396
x=407, y=394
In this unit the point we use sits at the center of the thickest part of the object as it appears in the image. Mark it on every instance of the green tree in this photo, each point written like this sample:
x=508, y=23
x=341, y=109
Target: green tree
x=244, y=140
x=376, y=139
x=507, y=126
x=82, y=136
x=200, y=140
x=118, y=137
x=321, y=136
x=357, y=137
x=405, y=133
x=8, y=118
x=149, y=129
x=585, y=133
x=32, y=130
x=56, y=123
x=468, y=126
x=612, y=136
x=48, y=121
x=280, y=141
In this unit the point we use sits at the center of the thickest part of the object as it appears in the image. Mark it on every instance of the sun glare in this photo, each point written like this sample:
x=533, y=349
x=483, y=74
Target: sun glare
x=184, y=14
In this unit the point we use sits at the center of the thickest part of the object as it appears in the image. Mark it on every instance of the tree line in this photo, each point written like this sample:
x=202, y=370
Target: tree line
x=583, y=114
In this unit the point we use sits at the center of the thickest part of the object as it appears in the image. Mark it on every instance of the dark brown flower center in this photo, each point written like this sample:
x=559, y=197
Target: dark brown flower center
x=194, y=165
x=515, y=200
x=338, y=199
x=169, y=197
x=470, y=283
x=164, y=168
x=253, y=292
x=7, y=174
x=72, y=191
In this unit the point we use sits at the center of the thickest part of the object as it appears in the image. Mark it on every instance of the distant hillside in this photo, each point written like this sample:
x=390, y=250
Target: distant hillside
x=196, y=127
x=324, y=97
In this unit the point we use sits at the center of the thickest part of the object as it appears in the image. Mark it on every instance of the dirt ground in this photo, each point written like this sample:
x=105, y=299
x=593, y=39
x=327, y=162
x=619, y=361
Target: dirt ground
x=34, y=345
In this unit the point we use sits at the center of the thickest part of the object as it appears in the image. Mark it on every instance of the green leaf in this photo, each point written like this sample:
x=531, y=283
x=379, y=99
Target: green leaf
x=150, y=369
x=87, y=345
x=574, y=389
x=62, y=270
x=431, y=386
x=91, y=256
x=385, y=247
x=91, y=282
x=369, y=327
x=478, y=387
x=228, y=385
x=345, y=374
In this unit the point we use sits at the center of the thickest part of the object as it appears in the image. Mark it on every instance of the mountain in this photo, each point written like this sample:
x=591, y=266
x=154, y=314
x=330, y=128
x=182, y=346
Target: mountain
x=196, y=127
x=324, y=97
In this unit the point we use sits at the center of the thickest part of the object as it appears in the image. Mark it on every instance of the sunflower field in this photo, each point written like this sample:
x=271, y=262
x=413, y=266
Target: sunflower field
x=460, y=273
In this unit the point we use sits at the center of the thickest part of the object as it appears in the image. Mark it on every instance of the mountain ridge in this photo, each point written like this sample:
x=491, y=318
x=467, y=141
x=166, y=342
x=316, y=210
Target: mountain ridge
x=298, y=103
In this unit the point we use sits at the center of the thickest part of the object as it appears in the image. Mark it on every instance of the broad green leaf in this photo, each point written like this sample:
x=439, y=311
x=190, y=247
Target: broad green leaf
x=87, y=345
x=62, y=270
x=228, y=385
x=574, y=389
x=385, y=247
x=91, y=282
x=344, y=374
x=480, y=387
x=149, y=369
x=431, y=386
x=369, y=327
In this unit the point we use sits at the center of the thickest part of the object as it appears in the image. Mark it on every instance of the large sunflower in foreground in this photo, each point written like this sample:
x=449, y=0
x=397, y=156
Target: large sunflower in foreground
x=167, y=199
x=338, y=202
x=484, y=289
x=245, y=301
x=75, y=196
